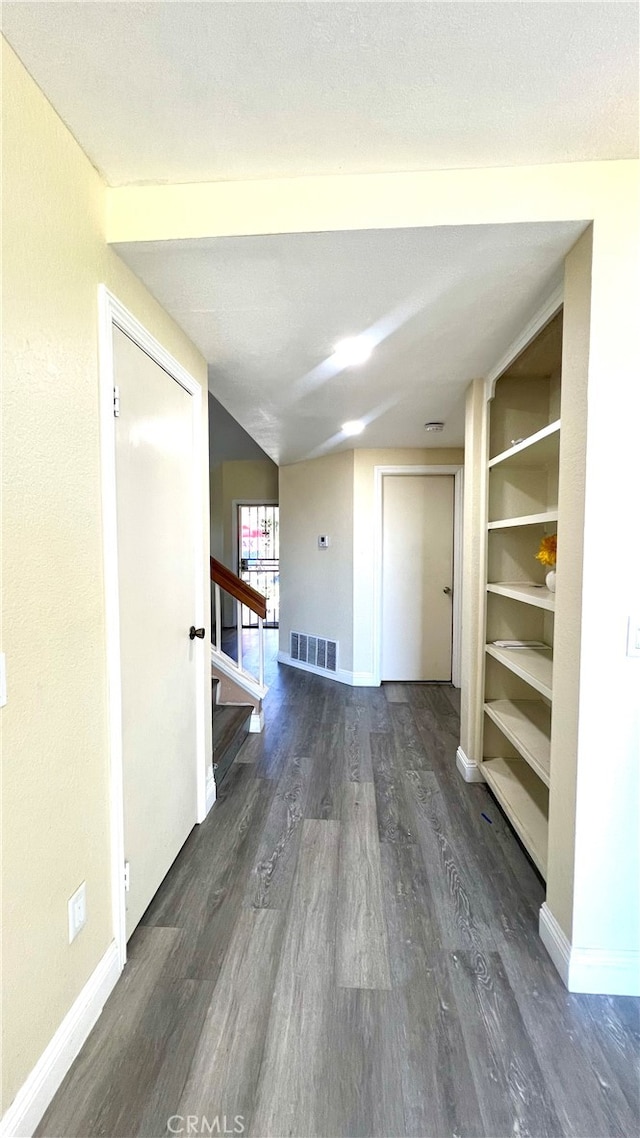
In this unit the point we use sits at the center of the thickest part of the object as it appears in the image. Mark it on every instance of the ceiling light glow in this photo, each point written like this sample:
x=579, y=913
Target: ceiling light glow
x=352, y=351
x=353, y=427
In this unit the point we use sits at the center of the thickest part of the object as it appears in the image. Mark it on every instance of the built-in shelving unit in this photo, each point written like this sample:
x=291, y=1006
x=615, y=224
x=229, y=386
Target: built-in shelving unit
x=527, y=724
x=522, y=471
x=525, y=801
x=544, y=519
x=537, y=595
x=537, y=450
x=533, y=665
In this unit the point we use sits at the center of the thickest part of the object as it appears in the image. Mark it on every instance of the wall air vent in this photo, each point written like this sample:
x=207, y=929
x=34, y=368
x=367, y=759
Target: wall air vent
x=315, y=651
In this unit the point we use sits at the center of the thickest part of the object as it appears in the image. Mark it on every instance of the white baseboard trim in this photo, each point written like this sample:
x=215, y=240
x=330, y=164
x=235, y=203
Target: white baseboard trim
x=555, y=942
x=22, y=1117
x=593, y=971
x=211, y=792
x=256, y=723
x=341, y=676
x=470, y=770
x=364, y=680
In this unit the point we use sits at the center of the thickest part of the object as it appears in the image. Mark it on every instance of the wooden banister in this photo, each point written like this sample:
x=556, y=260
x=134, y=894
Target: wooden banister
x=237, y=588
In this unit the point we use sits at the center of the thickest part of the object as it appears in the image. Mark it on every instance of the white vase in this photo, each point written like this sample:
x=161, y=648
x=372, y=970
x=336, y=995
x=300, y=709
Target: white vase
x=550, y=580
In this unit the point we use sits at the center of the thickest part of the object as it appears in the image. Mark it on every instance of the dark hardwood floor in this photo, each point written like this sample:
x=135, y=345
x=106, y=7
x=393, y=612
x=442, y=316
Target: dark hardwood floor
x=347, y=946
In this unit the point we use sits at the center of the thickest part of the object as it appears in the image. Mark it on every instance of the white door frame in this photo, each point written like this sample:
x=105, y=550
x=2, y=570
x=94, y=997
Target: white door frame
x=379, y=473
x=113, y=314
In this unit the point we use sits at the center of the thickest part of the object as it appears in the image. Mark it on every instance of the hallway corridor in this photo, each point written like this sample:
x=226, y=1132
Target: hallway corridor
x=348, y=946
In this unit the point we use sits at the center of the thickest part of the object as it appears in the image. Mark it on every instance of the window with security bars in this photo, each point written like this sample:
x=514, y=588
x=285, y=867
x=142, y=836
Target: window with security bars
x=259, y=558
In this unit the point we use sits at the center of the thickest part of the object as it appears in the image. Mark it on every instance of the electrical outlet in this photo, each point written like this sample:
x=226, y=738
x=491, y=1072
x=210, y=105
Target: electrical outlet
x=77, y=911
x=323, y=541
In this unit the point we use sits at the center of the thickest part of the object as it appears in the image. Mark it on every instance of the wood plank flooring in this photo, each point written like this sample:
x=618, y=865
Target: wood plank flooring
x=348, y=947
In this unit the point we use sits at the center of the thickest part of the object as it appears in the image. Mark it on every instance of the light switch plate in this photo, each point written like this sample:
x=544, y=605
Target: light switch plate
x=323, y=541
x=77, y=911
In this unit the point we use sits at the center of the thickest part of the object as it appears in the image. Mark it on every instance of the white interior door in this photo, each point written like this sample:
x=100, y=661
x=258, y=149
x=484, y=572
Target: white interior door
x=157, y=580
x=417, y=577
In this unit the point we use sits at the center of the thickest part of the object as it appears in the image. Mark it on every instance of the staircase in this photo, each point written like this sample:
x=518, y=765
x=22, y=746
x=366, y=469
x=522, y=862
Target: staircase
x=236, y=694
x=230, y=728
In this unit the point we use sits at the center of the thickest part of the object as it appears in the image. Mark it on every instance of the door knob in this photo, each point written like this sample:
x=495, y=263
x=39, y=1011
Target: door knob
x=446, y=589
x=193, y=632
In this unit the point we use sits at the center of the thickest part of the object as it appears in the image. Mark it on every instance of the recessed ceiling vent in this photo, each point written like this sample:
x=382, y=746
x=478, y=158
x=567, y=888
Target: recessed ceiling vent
x=314, y=650
x=436, y=425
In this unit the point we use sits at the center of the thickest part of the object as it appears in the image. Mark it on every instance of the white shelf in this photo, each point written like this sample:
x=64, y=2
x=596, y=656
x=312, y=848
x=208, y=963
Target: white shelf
x=536, y=451
x=546, y=518
x=537, y=595
x=525, y=801
x=534, y=665
x=527, y=724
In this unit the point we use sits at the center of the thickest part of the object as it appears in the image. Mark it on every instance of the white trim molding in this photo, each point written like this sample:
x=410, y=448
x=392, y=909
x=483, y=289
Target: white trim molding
x=379, y=473
x=228, y=666
x=555, y=941
x=25, y=1112
x=113, y=314
x=470, y=770
x=256, y=723
x=340, y=676
x=594, y=971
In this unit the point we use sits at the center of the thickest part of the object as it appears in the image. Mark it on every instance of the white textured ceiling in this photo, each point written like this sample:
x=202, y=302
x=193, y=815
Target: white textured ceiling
x=184, y=92
x=442, y=303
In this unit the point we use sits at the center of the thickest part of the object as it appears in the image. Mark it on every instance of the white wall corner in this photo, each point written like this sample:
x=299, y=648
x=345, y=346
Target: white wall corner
x=592, y=971
x=22, y=1117
x=364, y=680
x=256, y=723
x=469, y=769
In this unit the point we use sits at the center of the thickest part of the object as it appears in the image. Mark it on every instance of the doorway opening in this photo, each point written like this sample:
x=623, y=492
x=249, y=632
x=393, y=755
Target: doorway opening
x=417, y=573
x=145, y=650
x=259, y=558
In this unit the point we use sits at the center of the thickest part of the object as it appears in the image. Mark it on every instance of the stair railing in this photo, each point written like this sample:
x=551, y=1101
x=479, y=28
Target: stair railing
x=243, y=594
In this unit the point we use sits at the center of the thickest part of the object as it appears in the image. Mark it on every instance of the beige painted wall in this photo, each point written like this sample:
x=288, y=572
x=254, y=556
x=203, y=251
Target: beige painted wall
x=365, y=462
x=491, y=196
x=331, y=592
x=316, y=585
x=55, y=746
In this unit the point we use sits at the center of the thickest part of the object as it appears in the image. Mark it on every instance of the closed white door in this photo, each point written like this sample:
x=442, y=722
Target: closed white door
x=417, y=577
x=156, y=572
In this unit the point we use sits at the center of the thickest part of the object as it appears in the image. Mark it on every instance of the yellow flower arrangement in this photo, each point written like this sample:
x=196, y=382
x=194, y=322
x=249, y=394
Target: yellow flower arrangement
x=547, y=552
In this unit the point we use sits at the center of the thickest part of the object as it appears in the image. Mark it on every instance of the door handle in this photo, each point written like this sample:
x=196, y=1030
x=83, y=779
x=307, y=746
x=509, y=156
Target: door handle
x=193, y=632
x=446, y=590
